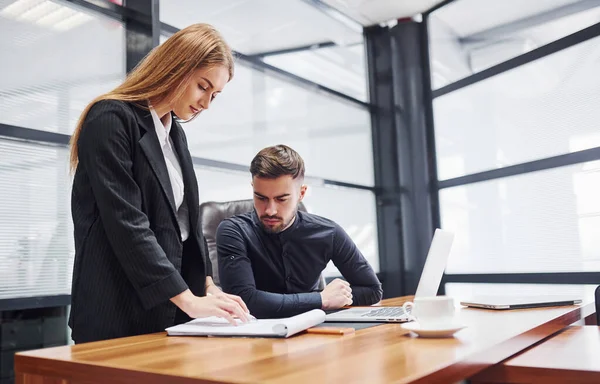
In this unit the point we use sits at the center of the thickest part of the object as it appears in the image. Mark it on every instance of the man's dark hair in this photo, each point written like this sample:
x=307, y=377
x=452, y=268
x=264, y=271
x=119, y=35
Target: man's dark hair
x=276, y=161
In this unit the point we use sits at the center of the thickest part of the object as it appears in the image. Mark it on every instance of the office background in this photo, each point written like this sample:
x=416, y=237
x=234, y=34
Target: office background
x=479, y=116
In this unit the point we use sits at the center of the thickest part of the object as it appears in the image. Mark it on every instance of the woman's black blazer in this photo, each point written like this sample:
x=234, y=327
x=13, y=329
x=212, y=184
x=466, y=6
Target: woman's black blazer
x=129, y=257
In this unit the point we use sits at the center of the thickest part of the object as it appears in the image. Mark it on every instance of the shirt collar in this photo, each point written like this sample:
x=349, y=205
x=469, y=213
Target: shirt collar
x=162, y=130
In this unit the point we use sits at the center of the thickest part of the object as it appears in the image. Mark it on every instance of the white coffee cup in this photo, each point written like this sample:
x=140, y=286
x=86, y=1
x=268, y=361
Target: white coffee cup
x=431, y=311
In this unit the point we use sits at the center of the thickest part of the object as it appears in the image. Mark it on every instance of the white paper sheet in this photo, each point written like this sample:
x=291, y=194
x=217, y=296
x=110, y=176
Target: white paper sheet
x=217, y=326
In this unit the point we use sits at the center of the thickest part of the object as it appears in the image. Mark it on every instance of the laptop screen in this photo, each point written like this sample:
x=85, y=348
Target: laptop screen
x=437, y=258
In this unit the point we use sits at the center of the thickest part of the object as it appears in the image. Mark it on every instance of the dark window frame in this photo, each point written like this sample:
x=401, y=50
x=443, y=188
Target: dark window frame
x=516, y=169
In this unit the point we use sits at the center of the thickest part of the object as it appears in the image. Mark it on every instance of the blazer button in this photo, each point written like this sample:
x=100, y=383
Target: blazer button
x=232, y=257
x=287, y=278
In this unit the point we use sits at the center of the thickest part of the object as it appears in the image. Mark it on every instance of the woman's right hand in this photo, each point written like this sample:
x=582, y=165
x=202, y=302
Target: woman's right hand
x=220, y=306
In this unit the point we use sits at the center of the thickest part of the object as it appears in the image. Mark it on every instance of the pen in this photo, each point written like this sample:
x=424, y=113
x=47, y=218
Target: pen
x=331, y=330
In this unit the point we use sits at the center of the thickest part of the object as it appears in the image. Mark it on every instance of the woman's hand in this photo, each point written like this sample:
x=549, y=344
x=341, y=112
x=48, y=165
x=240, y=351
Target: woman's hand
x=216, y=291
x=220, y=305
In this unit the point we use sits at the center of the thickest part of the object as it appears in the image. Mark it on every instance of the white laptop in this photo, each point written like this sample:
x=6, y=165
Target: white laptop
x=431, y=277
x=520, y=302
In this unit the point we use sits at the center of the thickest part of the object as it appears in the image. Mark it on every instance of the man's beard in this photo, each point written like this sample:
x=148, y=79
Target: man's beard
x=279, y=227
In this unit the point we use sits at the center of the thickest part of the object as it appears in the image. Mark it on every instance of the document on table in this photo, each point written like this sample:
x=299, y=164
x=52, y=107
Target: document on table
x=217, y=326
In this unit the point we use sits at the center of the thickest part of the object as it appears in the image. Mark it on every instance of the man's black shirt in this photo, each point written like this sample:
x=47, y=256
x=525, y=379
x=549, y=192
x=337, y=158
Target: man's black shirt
x=277, y=274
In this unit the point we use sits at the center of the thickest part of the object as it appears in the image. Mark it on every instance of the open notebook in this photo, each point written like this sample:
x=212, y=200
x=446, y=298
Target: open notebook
x=216, y=326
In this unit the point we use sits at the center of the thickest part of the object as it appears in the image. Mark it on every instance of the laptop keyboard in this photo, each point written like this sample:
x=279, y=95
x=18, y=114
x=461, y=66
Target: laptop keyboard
x=386, y=312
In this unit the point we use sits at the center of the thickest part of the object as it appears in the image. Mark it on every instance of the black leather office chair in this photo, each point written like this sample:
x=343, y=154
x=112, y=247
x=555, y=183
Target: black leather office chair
x=211, y=215
x=598, y=305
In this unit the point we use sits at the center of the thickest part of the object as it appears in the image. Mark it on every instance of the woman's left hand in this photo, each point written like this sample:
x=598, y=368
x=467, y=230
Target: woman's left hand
x=216, y=291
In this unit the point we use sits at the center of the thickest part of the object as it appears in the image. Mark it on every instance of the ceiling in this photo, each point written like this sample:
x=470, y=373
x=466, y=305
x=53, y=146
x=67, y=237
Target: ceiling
x=491, y=14
x=370, y=12
x=461, y=44
x=256, y=26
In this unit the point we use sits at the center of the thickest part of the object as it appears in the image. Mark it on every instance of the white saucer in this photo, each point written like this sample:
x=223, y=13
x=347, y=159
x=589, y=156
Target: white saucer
x=440, y=331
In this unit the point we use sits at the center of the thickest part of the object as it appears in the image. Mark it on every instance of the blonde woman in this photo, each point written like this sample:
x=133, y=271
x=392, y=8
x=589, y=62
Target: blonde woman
x=141, y=262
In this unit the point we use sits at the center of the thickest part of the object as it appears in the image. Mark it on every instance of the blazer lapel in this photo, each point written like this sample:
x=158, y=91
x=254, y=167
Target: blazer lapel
x=187, y=169
x=153, y=152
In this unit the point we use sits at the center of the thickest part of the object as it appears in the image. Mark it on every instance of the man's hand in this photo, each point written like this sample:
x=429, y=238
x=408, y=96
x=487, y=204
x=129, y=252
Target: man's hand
x=336, y=294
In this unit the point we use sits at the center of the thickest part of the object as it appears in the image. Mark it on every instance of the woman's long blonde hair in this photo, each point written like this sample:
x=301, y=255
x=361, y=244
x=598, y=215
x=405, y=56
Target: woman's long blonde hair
x=163, y=74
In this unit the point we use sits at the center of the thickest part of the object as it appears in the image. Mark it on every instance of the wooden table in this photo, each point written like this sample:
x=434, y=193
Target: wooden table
x=572, y=356
x=381, y=354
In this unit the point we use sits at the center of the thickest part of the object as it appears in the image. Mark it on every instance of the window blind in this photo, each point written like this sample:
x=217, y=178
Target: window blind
x=36, y=241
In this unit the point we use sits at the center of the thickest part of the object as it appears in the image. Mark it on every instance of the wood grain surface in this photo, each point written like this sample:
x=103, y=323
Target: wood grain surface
x=382, y=354
x=571, y=356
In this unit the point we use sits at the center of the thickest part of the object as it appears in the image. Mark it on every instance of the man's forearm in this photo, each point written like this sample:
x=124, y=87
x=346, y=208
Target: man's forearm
x=366, y=295
x=264, y=304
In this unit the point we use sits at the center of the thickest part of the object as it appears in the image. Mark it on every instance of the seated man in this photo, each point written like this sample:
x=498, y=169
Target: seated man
x=273, y=257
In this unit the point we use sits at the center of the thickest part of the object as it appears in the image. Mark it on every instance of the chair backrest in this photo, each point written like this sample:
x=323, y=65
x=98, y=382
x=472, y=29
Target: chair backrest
x=211, y=215
x=598, y=305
